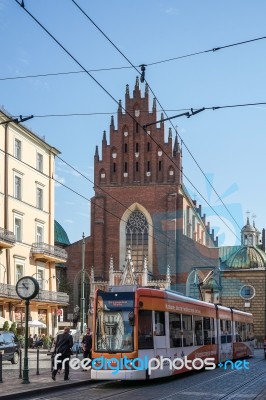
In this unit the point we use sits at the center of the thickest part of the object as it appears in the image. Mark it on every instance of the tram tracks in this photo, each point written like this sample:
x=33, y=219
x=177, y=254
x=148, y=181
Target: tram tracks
x=119, y=392
x=205, y=382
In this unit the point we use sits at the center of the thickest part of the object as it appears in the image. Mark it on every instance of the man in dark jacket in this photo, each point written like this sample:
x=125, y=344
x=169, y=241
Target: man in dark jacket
x=63, y=345
x=87, y=344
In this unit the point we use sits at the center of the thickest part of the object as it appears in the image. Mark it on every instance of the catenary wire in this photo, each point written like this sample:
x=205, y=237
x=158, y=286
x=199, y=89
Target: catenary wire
x=127, y=67
x=106, y=91
x=126, y=58
x=178, y=110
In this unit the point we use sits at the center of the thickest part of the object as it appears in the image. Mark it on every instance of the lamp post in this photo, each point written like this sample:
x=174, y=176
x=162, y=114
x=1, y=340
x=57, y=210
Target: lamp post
x=82, y=314
x=27, y=288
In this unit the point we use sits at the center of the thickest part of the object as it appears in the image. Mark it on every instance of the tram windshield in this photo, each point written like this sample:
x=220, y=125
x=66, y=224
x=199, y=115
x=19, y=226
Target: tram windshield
x=114, y=322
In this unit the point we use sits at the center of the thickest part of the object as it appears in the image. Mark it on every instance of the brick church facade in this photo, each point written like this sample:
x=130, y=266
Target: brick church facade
x=143, y=221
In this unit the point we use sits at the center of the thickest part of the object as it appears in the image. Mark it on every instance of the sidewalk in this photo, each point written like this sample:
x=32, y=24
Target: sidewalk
x=13, y=388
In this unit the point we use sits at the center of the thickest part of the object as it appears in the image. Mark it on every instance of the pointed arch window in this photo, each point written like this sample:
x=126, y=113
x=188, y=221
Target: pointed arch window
x=137, y=230
x=102, y=176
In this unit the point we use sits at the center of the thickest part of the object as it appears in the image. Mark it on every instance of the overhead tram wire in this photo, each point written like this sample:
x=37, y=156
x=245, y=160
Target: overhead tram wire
x=213, y=50
x=106, y=91
x=143, y=79
x=113, y=112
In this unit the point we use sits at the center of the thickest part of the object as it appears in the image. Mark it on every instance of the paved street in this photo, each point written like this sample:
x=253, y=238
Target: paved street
x=218, y=384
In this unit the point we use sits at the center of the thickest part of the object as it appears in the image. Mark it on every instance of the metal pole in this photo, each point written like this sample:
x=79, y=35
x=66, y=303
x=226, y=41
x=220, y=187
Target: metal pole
x=20, y=363
x=1, y=380
x=38, y=359
x=83, y=285
x=26, y=361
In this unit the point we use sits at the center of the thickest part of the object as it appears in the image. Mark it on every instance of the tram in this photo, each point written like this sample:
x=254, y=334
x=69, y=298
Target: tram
x=142, y=325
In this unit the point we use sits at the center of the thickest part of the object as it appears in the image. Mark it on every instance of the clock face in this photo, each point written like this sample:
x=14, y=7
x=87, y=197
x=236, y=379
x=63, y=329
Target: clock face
x=27, y=287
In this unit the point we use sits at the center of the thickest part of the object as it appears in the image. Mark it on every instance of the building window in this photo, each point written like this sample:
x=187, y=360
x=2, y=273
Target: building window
x=19, y=271
x=40, y=277
x=247, y=292
x=137, y=166
x=39, y=162
x=39, y=198
x=114, y=167
x=125, y=167
x=148, y=146
x=137, y=232
x=125, y=147
x=39, y=234
x=17, y=187
x=17, y=149
x=160, y=165
x=137, y=147
x=18, y=229
x=148, y=166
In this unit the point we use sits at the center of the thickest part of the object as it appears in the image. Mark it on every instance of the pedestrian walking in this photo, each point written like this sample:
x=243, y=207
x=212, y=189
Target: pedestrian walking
x=63, y=345
x=87, y=344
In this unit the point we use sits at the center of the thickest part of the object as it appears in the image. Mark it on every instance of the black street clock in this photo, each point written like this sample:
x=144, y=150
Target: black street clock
x=27, y=287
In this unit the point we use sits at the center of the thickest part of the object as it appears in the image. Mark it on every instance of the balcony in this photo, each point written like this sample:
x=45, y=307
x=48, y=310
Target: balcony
x=47, y=253
x=7, y=239
x=45, y=296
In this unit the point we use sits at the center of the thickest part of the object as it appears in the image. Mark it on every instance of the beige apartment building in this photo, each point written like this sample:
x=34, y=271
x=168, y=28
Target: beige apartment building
x=27, y=166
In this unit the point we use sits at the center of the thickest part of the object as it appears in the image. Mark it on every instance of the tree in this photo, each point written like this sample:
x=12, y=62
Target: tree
x=6, y=326
x=13, y=328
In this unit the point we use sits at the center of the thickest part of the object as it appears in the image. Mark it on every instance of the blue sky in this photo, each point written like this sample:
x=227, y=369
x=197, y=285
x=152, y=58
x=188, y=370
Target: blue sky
x=228, y=144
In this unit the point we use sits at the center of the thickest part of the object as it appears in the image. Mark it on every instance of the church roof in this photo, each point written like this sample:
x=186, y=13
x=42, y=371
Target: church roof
x=247, y=257
x=60, y=235
x=248, y=227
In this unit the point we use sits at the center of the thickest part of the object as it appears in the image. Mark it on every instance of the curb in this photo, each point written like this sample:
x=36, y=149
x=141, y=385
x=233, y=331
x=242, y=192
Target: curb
x=43, y=390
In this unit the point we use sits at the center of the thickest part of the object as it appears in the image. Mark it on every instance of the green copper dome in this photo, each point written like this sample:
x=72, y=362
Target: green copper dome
x=60, y=236
x=247, y=257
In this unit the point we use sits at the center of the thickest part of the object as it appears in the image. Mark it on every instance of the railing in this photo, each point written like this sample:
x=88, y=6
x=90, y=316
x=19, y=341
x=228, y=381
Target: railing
x=7, y=290
x=49, y=250
x=56, y=297
x=7, y=236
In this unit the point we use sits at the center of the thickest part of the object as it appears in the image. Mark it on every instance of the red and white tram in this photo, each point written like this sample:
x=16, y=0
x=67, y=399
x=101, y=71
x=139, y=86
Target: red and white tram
x=143, y=323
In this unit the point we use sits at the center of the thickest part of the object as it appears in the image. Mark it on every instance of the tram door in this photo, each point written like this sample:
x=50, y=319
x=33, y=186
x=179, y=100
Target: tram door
x=159, y=332
x=226, y=340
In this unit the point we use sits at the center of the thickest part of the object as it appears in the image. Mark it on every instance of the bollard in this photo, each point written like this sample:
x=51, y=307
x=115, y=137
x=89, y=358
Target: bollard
x=38, y=351
x=20, y=363
x=1, y=380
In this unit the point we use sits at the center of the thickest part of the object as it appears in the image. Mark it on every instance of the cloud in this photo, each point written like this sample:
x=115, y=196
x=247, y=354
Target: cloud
x=83, y=214
x=69, y=221
x=59, y=179
x=171, y=11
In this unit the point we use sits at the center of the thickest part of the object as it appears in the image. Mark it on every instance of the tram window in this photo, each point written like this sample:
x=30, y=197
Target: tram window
x=145, y=338
x=238, y=331
x=175, y=330
x=187, y=330
x=244, y=332
x=228, y=327
x=250, y=333
x=159, y=323
x=213, y=340
x=207, y=330
x=198, y=331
